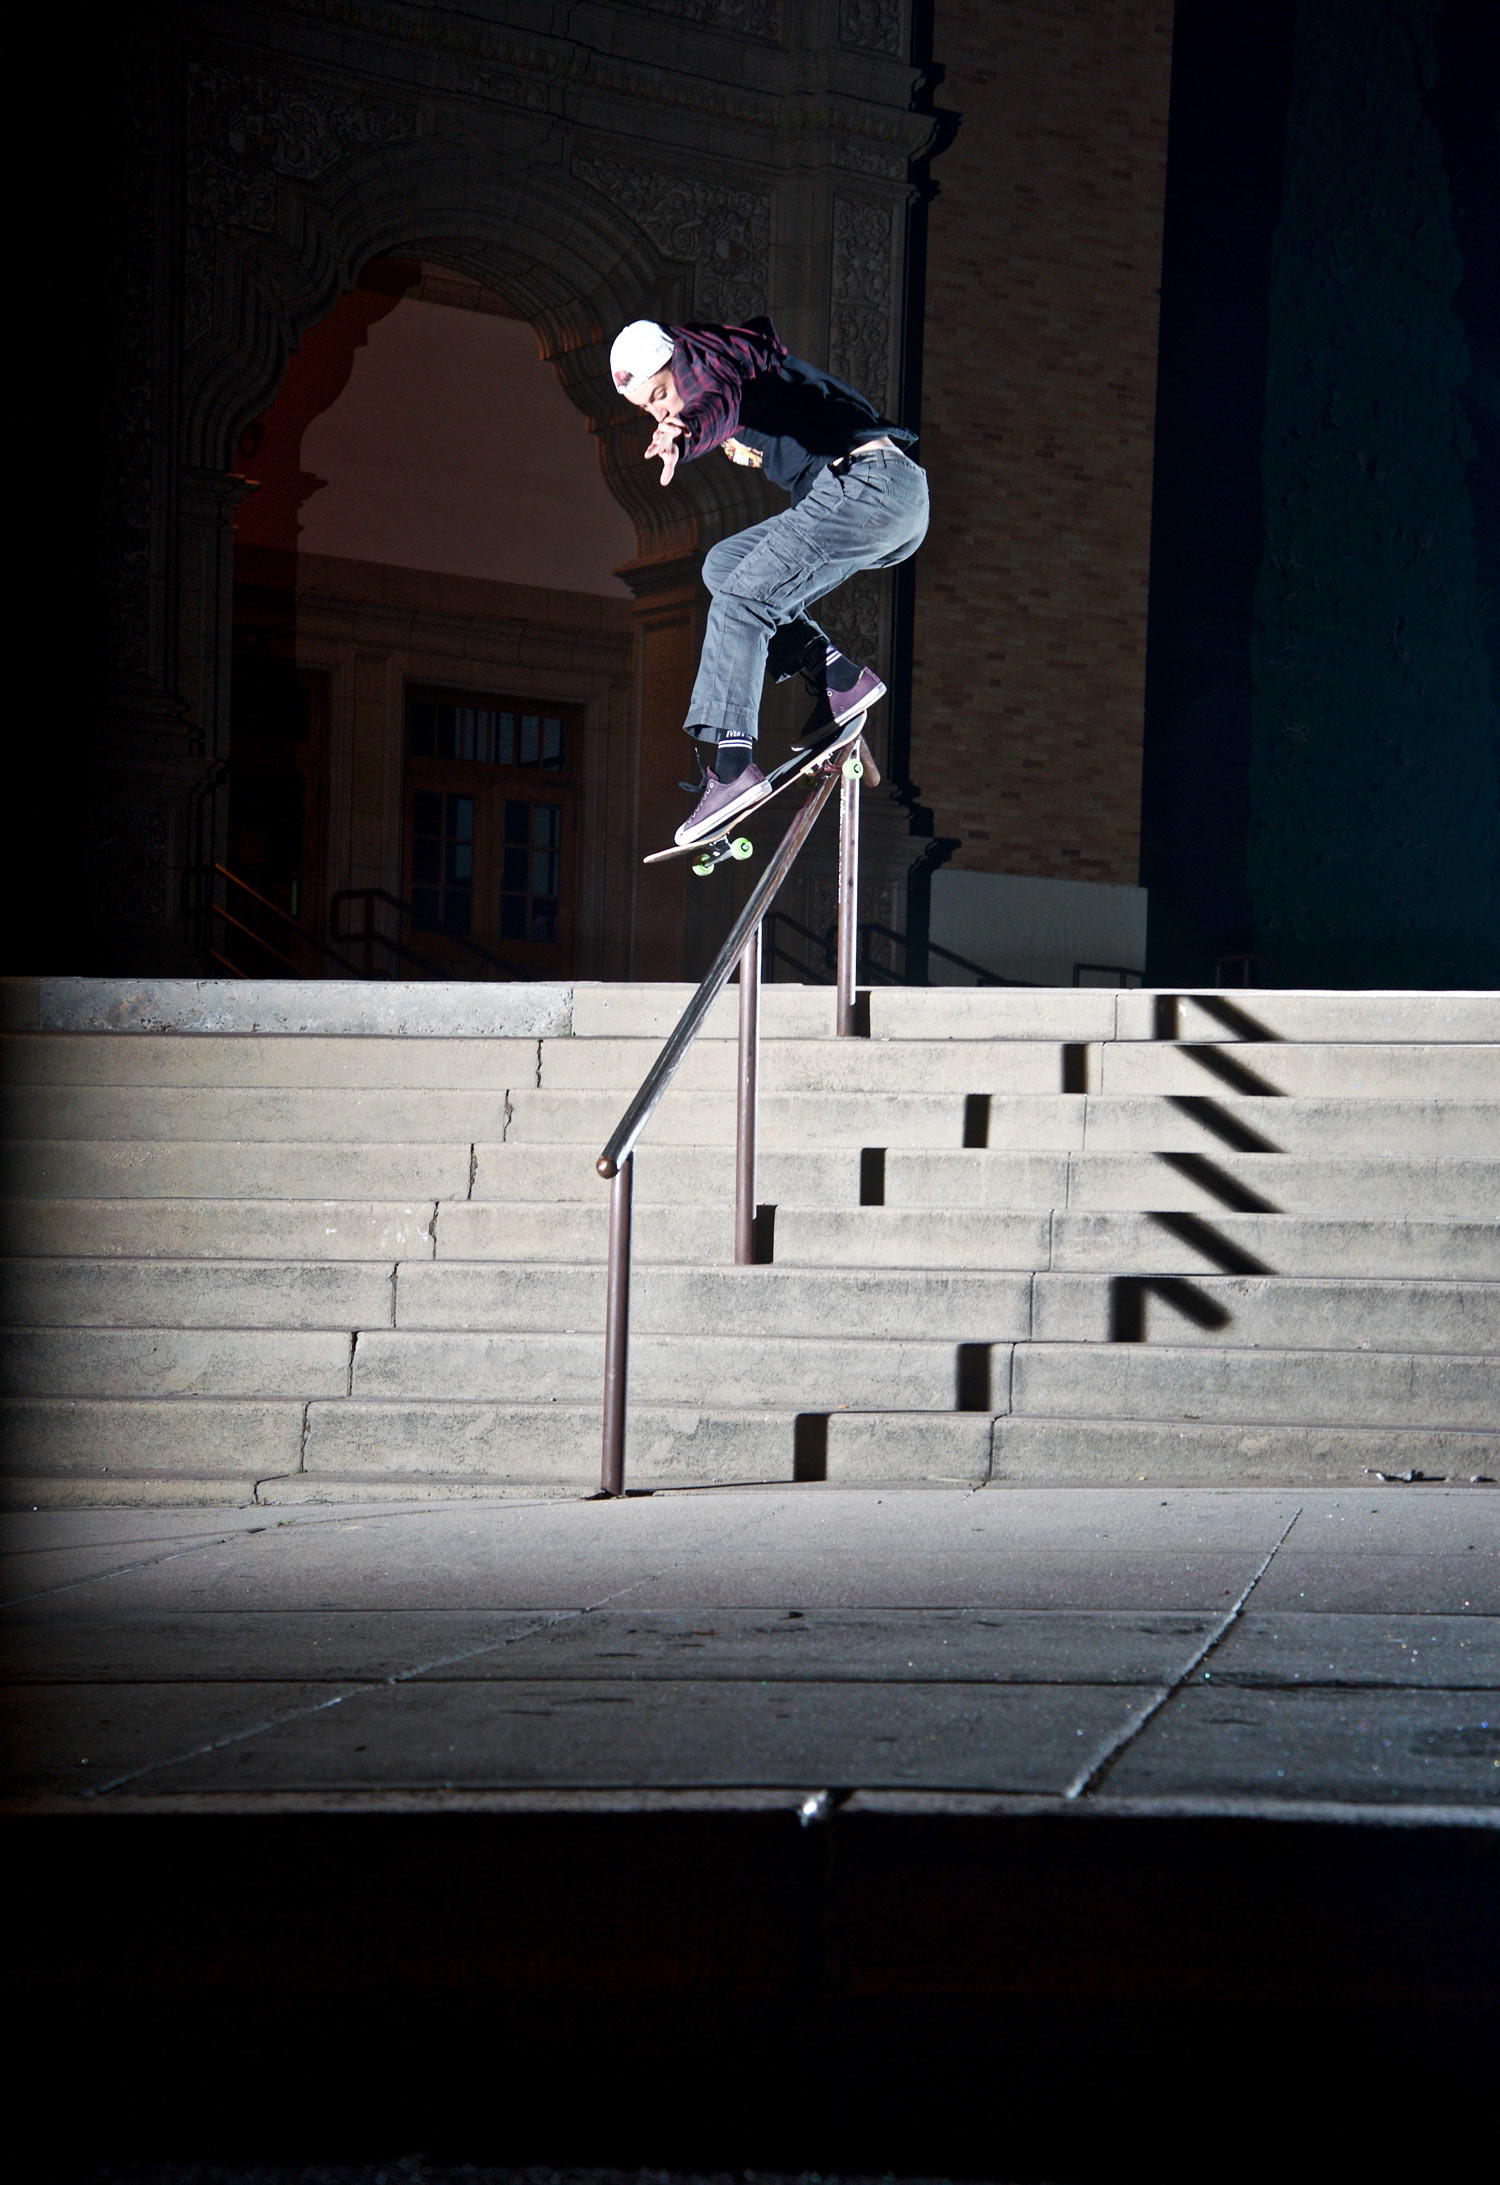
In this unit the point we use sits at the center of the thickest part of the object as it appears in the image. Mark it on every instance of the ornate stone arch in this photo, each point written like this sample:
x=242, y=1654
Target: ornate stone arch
x=550, y=238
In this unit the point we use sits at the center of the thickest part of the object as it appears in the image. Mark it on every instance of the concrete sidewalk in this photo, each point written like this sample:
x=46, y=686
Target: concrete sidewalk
x=1232, y=1650
x=761, y=1829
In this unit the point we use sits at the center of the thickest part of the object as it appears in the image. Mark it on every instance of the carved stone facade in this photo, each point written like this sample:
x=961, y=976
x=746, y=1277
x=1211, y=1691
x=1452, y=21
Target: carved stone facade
x=683, y=163
x=582, y=166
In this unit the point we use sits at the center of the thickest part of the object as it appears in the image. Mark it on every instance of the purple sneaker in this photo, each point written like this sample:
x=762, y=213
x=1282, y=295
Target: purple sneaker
x=839, y=710
x=720, y=804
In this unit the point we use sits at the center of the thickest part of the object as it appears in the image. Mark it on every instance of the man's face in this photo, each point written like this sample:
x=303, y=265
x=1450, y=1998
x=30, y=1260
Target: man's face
x=659, y=397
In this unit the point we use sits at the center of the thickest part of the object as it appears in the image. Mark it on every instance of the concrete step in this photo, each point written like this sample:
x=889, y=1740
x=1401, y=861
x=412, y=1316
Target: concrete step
x=1303, y=1387
x=578, y=1230
x=669, y=1445
x=253, y=1229
x=812, y=1372
x=196, y=1450
x=1258, y=1015
x=1350, y=1071
x=1199, y=1122
x=903, y=1236
x=1263, y=1015
x=425, y=1133
x=790, y=1120
x=196, y=1293
x=1066, y=1013
x=704, y=1174
x=827, y=1066
x=1133, y=1243
x=174, y=1362
x=192, y=1169
x=243, y=1061
x=750, y=1302
x=121, y=1447
x=1282, y=1244
x=280, y=1115
x=1067, y=1452
x=651, y=1011
x=1025, y=1122
x=1275, y=1312
x=1367, y=1186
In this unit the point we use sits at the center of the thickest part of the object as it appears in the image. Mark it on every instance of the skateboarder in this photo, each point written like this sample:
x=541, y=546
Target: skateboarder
x=858, y=501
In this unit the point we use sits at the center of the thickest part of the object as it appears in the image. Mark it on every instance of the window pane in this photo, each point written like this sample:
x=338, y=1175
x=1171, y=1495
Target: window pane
x=460, y=861
x=426, y=860
x=547, y=826
x=427, y=813
x=517, y=820
x=544, y=921
x=422, y=728
x=552, y=744
x=424, y=909
x=513, y=869
x=506, y=749
x=544, y=872
x=531, y=739
x=444, y=737
x=512, y=917
x=456, y=911
x=461, y=818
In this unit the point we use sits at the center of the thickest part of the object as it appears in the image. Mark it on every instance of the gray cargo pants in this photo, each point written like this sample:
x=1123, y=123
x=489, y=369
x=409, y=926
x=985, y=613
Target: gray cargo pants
x=870, y=516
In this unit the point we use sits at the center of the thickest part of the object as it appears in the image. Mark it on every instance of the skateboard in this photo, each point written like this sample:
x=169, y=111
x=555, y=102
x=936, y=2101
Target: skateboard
x=709, y=851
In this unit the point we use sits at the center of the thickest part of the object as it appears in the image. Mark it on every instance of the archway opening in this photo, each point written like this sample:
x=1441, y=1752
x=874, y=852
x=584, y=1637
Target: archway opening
x=430, y=645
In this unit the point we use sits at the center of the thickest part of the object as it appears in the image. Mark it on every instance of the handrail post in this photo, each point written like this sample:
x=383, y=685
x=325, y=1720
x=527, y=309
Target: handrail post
x=617, y=1327
x=748, y=1103
x=848, y=897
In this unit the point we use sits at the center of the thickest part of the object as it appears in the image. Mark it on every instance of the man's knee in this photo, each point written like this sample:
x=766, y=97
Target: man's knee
x=719, y=565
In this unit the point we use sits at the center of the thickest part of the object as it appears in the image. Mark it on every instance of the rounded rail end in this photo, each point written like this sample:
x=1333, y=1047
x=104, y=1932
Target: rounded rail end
x=606, y=1167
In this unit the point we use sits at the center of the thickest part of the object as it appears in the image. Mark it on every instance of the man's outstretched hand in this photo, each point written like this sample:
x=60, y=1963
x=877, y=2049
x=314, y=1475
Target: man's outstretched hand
x=663, y=445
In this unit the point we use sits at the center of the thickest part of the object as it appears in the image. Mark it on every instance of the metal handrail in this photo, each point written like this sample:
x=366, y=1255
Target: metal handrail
x=370, y=934
x=209, y=909
x=617, y=1162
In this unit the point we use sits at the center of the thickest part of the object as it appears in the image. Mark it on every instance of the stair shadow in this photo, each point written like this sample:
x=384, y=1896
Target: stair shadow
x=810, y=1446
x=1230, y=1258
x=1221, y=1122
x=1167, y=1017
x=1218, y=1183
x=1127, y=1304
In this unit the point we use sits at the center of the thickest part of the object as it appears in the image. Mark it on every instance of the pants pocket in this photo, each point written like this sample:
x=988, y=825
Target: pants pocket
x=775, y=575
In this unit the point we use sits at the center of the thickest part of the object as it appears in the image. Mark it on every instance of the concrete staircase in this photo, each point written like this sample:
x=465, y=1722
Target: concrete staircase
x=1018, y=1236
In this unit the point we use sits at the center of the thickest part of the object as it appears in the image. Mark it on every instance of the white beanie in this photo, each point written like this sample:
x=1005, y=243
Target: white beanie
x=639, y=352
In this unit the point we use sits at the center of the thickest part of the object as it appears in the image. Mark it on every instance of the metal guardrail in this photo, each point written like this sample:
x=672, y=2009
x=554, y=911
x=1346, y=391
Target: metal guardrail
x=370, y=936
x=205, y=910
x=743, y=947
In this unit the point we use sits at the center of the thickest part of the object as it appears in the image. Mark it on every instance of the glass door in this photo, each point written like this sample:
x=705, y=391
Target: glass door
x=491, y=836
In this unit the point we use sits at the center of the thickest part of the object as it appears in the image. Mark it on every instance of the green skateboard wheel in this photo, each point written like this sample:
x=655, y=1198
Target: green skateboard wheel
x=742, y=846
x=703, y=866
x=854, y=768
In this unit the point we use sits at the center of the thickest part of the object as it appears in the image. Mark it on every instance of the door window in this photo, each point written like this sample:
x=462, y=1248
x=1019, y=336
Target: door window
x=491, y=849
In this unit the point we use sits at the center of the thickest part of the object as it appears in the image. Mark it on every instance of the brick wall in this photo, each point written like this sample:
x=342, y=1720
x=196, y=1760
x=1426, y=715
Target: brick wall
x=1038, y=393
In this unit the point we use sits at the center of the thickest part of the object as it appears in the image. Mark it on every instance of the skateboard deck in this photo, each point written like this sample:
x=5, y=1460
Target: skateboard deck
x=708, y=851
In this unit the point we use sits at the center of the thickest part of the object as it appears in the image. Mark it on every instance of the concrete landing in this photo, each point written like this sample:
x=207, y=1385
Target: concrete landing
x=1213, y=1646
x=758, y=1828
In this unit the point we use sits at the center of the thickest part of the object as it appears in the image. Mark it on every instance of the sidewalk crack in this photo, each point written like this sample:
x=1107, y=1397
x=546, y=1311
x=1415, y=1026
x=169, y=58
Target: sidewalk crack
x=1093, y=1775
x=545, y=1620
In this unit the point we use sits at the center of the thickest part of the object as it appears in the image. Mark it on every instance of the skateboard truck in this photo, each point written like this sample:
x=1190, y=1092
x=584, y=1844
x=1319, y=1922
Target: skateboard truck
x=713, y=854
x=727, y=846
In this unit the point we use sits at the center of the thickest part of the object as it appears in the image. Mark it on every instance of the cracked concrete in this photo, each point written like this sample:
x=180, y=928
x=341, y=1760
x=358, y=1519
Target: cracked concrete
x=1086, y=1647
